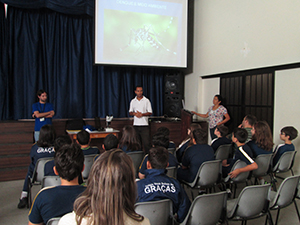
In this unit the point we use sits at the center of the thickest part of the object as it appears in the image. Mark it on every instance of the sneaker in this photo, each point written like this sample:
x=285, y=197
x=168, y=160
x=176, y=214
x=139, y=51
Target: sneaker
x=23, y=203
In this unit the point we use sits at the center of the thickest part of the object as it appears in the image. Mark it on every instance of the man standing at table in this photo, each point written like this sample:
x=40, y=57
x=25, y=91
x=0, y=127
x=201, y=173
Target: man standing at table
x=140, y=108
x=42, y=112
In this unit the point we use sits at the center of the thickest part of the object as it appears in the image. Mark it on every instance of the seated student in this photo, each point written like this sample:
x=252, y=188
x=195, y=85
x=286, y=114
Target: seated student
x=157, y=185
x=41, y=149
x=158, y=140
x=243, y=152
x=58, y=143
x=83, y=139
x=262, y=140
x=194, y=156
x=57, y=201
x=221, y=132
x=287, y=134
x=248, y=123
x=110, y=194
x=110, y=142
x=186, y=142
x=130, y=141
x=166, y=132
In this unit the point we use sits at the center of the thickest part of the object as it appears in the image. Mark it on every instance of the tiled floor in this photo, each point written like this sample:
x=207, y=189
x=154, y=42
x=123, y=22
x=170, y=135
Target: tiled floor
x=11, y=215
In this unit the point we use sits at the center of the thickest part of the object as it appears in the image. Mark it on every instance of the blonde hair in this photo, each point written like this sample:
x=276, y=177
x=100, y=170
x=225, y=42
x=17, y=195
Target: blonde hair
x=111, y=191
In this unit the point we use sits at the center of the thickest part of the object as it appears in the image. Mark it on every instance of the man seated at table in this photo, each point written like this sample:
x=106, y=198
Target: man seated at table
x=57, y=201
x=158, y=186
x=83, y=139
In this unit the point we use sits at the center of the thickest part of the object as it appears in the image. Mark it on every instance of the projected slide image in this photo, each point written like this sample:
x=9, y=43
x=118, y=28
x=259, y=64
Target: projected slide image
x=143, y=38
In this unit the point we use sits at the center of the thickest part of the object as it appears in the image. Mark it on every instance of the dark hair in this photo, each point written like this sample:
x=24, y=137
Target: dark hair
x=219, y=98
x=110, y=142
x=111, y=191
x=200, y=136
x=251, y=119
x=41, y=91
x=263, y=136
x=69, y=161
x=137, y=86
x=240, y=134
x=290, y=131
x=130, y=139
x=192, y=127
x=158, y=157
x=163, y=130
x=160, y=140
x=60, y=141
x=47, y=136
x=83, y=137
x=223, y=130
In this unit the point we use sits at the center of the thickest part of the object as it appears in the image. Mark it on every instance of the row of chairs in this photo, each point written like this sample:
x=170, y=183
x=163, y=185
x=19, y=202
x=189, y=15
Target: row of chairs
x=253, y=202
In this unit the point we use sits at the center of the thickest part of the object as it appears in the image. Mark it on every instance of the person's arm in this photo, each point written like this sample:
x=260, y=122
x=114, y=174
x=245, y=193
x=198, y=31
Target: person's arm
x=252, y=166
x=201, y=115
x=227, y=118
x=141, y=176
x=37, y=114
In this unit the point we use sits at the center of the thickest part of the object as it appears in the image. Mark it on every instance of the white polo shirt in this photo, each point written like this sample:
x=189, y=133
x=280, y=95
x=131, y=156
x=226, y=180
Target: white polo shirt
x=142, y=106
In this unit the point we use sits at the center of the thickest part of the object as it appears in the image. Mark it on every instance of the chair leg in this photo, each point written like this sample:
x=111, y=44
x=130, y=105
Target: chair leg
x=297, y=209
x=277, y=217
x=269, y=218
x=292, y=172
x=235, y=187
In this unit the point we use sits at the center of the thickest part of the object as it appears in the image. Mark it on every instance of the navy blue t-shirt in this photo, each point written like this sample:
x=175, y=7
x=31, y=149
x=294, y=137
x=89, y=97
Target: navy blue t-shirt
x=54, y=202
x=90, y=150
x=124, y=149
x=193, y=158
x=257, y=150
x=280, y=150
x=220, y=141
x=181, y=150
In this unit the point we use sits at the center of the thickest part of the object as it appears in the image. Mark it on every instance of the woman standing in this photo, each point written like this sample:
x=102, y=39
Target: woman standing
x=215, y=115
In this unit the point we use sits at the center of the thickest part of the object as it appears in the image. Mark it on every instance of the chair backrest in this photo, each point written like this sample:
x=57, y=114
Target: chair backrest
x=209, y=173
x=172, y=171
x=171, y=150
x=88, y=162
x=223, y=151
x=51, y=181
x=38, y=173
x=207, y=209
x=252, y=201
x=286, y=192
x=158, y=212
x=53, y=221
x=263, y=162
x=242, y=177
x=137, y=158
x=285, y=162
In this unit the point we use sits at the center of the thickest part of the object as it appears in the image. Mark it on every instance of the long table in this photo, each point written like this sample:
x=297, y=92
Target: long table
x=93, y=134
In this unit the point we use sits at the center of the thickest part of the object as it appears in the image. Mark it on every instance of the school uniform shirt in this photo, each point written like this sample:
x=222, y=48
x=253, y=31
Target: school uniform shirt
x=280, y=150
x=158, y=186
x=53, y=202
x=257, y=150
x=216, y=143
x=193, y=157
x=90, y=150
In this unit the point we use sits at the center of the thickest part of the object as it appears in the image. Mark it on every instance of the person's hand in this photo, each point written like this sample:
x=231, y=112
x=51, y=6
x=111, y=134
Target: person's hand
x=224, y=163
x=234, y=173
x=193, y=112
x=33, y=116
x=138, y=114
x=240, y=126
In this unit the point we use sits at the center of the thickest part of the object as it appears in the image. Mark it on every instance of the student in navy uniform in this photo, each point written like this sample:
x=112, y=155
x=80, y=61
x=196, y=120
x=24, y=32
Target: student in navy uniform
x=42, y=149
x=194, y=156
x=58, y=143
x=110, y=142
x=83, y=139
x=187, y=142
x=57, y=201
x=158, y=140
x=262, y=140
x=221, y=131
x=130, y=141
x=243, y=152
x=165, y=131
x=287, y=134
x=157, y=185
x=43, y=112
